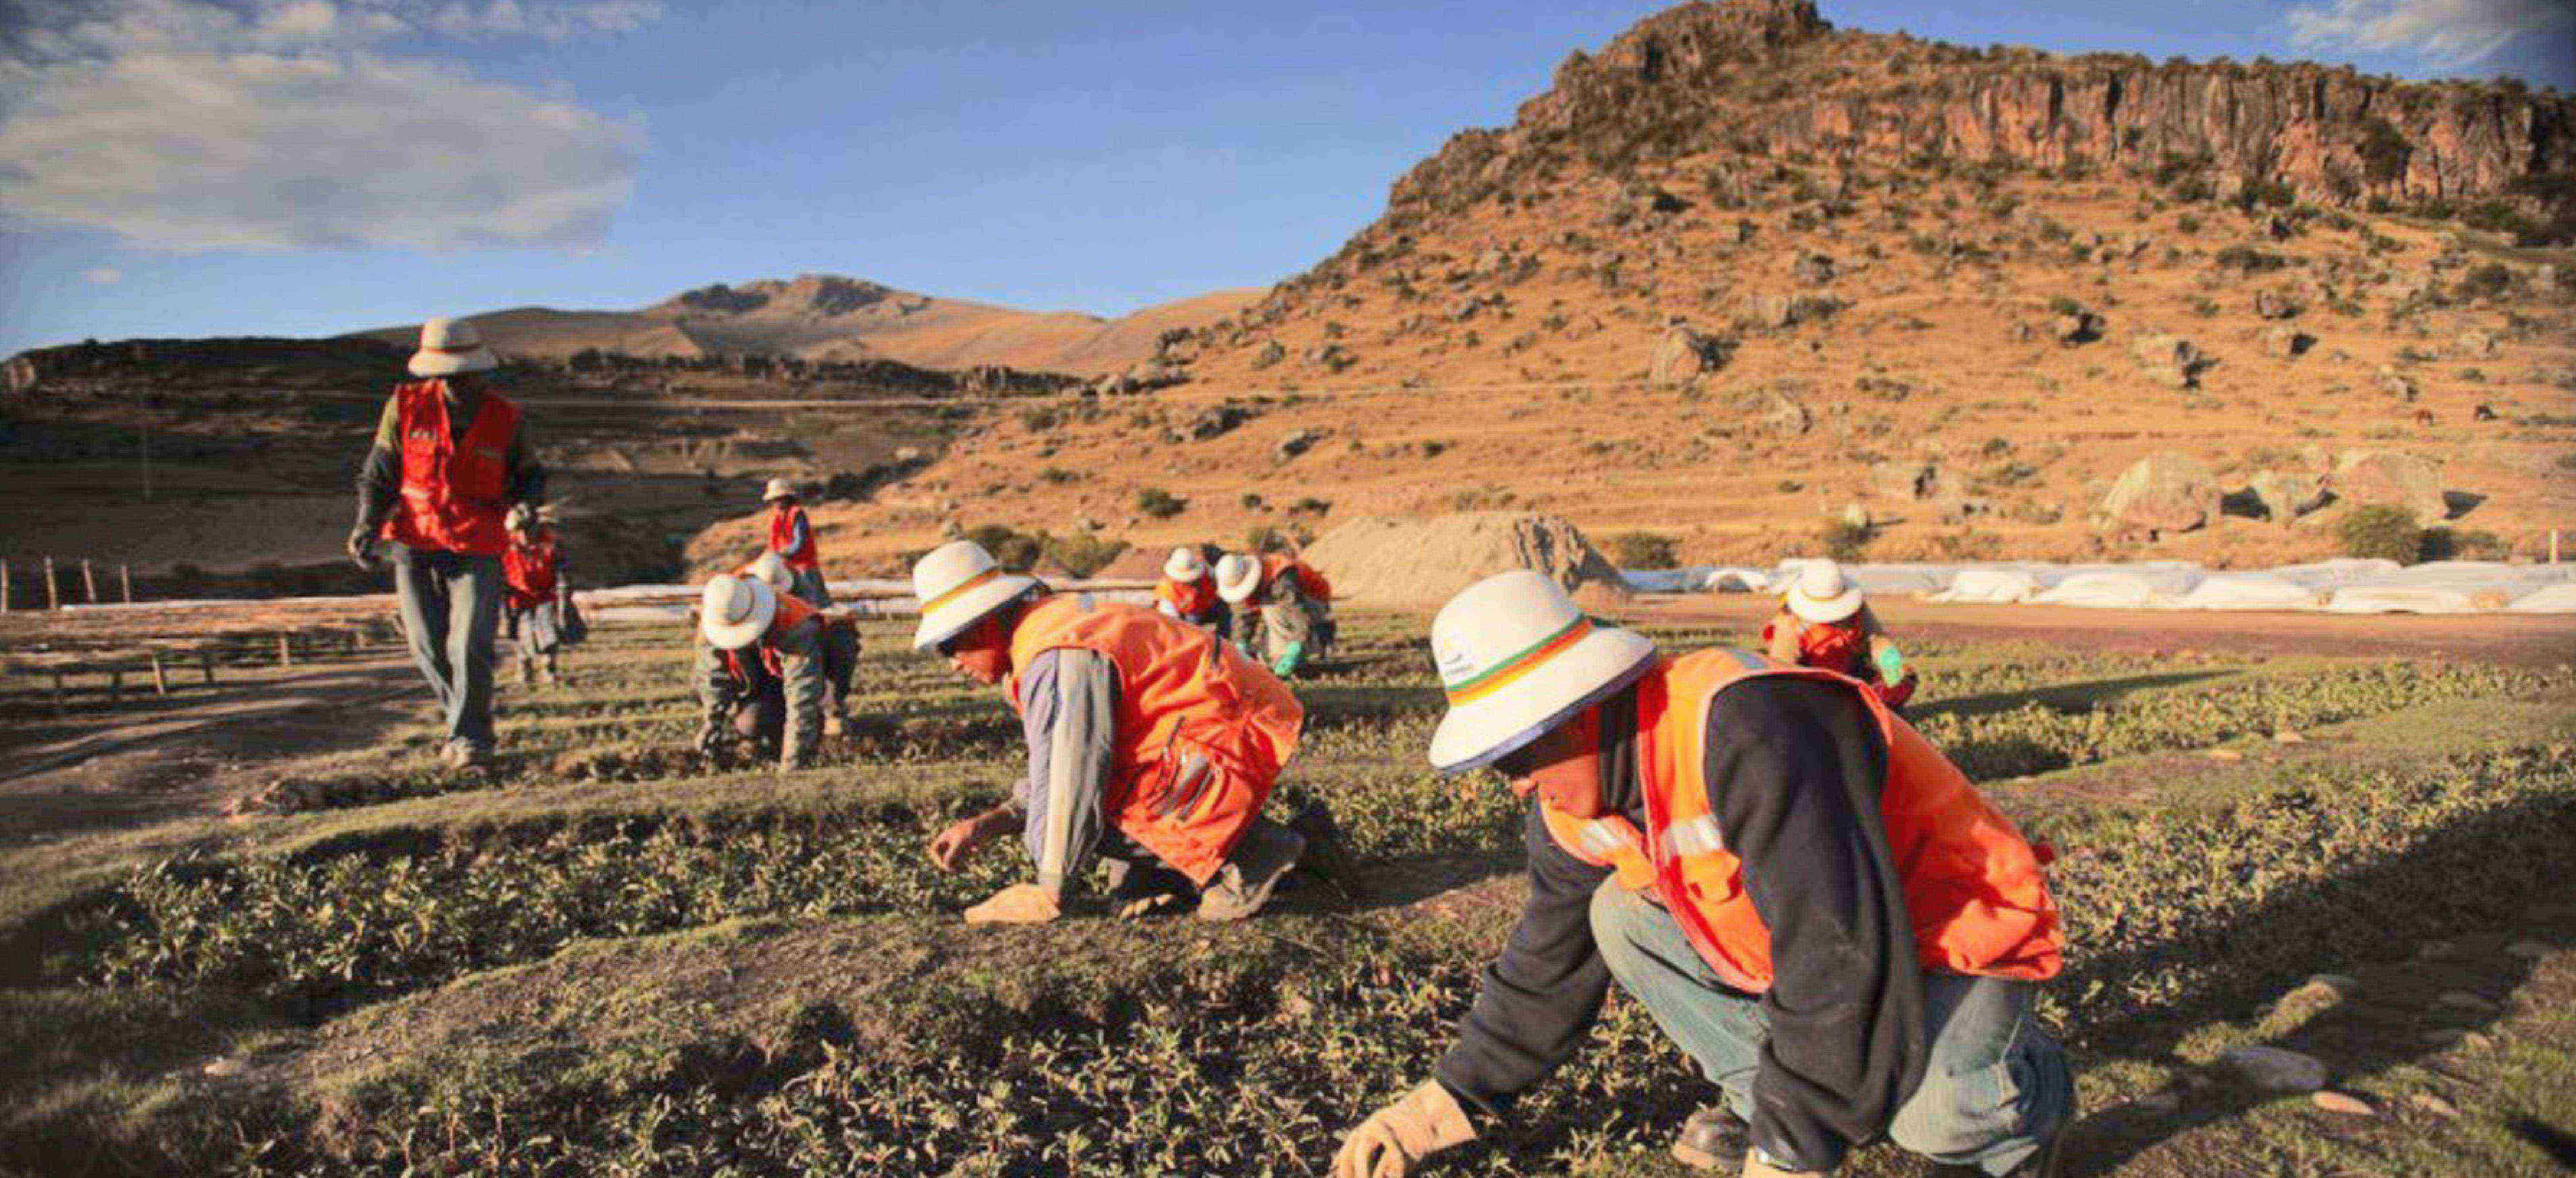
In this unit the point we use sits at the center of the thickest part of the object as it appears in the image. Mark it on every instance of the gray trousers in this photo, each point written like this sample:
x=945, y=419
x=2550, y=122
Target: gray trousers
x=450, y=606
x=1996, y=1088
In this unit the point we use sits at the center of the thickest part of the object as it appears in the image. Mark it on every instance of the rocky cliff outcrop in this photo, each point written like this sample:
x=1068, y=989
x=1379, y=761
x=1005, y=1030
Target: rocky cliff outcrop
x=1770, y=77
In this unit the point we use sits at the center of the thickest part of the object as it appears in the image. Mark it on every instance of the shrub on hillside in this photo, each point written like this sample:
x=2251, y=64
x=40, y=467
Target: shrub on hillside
x=1159, y=503
x=2379, y=530
x=1643, y=550
x=1012, y=550
x=1845, y=539
x=1083, y=554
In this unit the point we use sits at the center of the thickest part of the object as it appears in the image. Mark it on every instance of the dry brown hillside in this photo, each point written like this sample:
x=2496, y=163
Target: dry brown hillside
x=1959, y=289
x=824, y=317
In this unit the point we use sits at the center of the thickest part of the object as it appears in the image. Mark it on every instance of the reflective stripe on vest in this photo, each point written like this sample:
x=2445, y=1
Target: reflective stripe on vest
x=455, y=490
x=1975, y=895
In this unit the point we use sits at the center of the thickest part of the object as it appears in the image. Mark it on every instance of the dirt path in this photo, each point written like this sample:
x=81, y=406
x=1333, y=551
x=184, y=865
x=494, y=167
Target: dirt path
x=111, y=770
x=2515, y=639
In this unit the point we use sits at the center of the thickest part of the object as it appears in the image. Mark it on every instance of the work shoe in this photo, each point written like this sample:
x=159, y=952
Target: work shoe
x=1244, y=884
x=832, y=723
x=1714, y=1138
x=1143, y=889
x=2048, y=1162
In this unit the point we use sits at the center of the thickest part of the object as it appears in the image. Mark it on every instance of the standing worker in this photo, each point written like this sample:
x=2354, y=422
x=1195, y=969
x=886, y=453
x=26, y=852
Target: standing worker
x=760, y=666
x=1283, y=608
x=1187, y=592
x=1152, y=745
x=1804, y=894
x=1822, y=622
x=536, y=598
x=791, y=536
x=449, y=460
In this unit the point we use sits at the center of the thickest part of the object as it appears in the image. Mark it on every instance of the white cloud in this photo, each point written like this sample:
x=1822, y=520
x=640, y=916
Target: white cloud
x=103, y=275
x=2447, y=34
x=188, y=124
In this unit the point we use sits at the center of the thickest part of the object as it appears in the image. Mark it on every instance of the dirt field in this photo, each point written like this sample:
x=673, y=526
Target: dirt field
x=616, y=956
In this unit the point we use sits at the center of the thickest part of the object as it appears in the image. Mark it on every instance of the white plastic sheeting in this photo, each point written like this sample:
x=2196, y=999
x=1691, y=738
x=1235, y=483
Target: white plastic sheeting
x=2341, y=585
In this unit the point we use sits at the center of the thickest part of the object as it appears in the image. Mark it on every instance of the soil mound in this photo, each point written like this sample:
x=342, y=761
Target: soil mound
x=1397, y=561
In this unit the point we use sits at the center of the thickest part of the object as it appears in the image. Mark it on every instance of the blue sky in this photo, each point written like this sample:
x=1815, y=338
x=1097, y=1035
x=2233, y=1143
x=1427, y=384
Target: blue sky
x=305, y=167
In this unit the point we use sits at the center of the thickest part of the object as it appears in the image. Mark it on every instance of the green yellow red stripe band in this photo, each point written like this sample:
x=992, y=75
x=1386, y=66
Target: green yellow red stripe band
x=1513, y=668
x=969, y=583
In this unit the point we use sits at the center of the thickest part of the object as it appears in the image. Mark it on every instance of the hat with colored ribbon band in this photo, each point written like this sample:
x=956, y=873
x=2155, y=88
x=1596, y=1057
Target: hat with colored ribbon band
x=957, y=584
x=1238, y=577
x=735, y=611
x=1517, y=659
x=451, y=346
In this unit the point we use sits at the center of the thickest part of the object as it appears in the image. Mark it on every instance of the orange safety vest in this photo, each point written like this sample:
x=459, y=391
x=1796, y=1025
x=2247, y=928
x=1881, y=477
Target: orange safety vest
x=1309, y=582
x=1202, y=731
x=455, y=491
x=529, y=572
x=1973, y=886
x=1190, y=599
x=1834, y=646
x=792, y=612
x=782, y=533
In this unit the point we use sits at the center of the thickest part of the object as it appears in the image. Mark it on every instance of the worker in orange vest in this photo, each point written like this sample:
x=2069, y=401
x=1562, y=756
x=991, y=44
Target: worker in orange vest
x=1822, y=622
x=1283, y=609
x=1804, y=894
x=1152, y=745
x=537, y=611
x=753, y=634
x=743, y=694
x=791, y=536
x=448, y=462
x=1188, y=592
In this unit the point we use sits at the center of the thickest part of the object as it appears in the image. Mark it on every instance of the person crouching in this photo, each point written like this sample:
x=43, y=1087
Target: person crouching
x=760, y=669
x=1152, y=745
x=1824, y=623
x=1188, y=592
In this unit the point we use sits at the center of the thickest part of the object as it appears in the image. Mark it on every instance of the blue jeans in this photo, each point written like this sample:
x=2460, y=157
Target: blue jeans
x=1995, y=1085
x=450, y=605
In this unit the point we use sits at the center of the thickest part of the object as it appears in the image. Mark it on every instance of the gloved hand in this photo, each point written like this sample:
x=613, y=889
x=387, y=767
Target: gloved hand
x=1017, y=904
x=1286, y=664
x=1396, y=1138
x=362, y=547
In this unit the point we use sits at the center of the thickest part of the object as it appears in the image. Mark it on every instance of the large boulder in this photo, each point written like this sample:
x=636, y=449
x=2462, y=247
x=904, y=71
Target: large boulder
x=2387, y=476
x=2164, y=492
x=2286, y=495
x=1684, y=355
x=1411, y=561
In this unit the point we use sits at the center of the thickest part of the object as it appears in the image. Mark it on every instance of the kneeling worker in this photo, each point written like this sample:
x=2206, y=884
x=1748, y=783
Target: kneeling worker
x=1152, y=745
x=760, y=645
x=1188, y=592
x=1804, y=894
x=1282, y=606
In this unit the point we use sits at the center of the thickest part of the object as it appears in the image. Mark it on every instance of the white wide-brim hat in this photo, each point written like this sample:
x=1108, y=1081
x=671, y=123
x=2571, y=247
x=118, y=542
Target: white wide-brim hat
x=1185, y=565
x=1823, y=594
x=778, y=489
x=735, y=611
x=1517, y=659
x=957, y=584
x=1238, y=577
x=771, y=569
x=450, y=346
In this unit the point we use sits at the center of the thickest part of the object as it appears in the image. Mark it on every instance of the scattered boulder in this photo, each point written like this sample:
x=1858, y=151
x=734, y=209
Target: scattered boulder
x=2287, y=495
x=2344, y=1103
x=1908, y=479
x=2287, y=342
x=2273, y=305
x=2476, y=345
x=1334, y=357
x=2387, y=476
x=1684, y=355
x=2077, y=327
x=2274, y=1069
x=1298, y=443
x=2169, y=359
x=2392, y=382
x=1779, y=413
x=1215, y=420
x=2165, y=492
x=1270, y=353
x=1812, y=269
x=1773, y=311
x=1412, y=561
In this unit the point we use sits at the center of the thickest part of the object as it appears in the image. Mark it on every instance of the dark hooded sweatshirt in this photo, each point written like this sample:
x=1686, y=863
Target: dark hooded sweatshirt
x=1794, y=769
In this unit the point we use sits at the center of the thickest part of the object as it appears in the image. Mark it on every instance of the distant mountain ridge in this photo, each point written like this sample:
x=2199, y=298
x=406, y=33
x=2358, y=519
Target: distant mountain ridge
x=835, y=317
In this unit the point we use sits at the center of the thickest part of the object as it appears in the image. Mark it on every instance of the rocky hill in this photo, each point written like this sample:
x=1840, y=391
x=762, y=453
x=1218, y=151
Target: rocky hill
x=1740, y=278
x=827, y=317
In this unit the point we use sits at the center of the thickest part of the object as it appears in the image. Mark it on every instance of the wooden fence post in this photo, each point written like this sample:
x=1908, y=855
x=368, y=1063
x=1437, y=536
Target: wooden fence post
x=285, y=651
x=53, y=596
x=125, y=578
x=89, y=580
